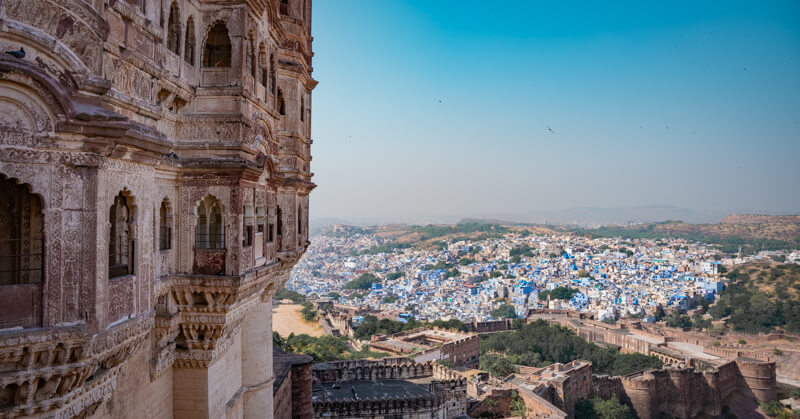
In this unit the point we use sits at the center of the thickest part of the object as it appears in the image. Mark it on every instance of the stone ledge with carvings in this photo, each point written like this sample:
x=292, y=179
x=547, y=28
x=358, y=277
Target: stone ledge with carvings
x=47, y=371
x=197, y=316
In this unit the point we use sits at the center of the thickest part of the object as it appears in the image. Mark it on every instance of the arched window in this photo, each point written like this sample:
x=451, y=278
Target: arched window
x=188, y=46
x=251, y=56
x=21, y=226
x=281, y=103
x=262, y=66
x=120, y=245
x=165, y=226
x=217, y=50
x=210, y=229
x=21, y=255
x=174, y=29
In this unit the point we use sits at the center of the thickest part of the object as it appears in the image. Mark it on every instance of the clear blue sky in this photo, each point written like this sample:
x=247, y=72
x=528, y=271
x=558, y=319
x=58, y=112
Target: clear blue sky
x=441, y=108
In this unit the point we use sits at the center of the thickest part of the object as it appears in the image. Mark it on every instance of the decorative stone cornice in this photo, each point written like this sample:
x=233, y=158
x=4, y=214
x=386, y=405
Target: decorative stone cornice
x=67, y=368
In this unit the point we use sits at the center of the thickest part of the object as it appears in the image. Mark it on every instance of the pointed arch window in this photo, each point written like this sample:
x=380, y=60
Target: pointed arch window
x=262, y=66
x=217, y=50
x=250, y=61
x=188, y=46
x=174, y=29
x=120, y=244
x=21, y=255
x=21, y=226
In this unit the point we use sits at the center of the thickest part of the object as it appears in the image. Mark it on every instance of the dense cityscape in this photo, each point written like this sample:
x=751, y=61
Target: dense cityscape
x=469, y=279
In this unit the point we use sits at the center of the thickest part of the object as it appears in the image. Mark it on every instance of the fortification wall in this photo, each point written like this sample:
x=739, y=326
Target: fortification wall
x=686, y=392
x=387, y=368
x=757, y=379
x=490, y=326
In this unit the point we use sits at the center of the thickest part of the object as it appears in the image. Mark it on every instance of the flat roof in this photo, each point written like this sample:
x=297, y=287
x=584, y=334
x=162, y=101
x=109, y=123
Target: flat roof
x=360, y=390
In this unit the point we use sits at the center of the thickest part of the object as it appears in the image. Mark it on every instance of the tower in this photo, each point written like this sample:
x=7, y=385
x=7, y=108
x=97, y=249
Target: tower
x=154, y=181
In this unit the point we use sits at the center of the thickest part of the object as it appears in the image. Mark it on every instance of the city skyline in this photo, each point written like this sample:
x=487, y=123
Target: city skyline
x=436, y=112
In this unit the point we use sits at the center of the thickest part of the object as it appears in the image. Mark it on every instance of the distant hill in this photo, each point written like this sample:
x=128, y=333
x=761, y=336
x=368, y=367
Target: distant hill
x=751, y=232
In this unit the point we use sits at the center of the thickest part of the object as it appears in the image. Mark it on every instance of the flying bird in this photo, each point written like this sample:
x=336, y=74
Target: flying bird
x=550, y=129
x=20, y=53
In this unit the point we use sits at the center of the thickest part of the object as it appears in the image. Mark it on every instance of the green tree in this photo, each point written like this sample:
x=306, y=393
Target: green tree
x=363, y=282
x=584, y=409
x=517, y=406
x=676, y=319
x=497, y=365
x=558, y=293
x=284, y=294
x=308, y=311
x=611, y=409
x=505, y=311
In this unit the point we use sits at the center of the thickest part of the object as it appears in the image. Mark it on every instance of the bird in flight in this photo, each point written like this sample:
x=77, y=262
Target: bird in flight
x=550, y=129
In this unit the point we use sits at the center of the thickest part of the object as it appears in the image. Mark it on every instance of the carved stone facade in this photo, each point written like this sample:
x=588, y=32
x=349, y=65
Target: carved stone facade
x=154, y=170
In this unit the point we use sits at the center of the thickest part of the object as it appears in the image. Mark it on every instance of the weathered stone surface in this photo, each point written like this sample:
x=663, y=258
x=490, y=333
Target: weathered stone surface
x=100, y=114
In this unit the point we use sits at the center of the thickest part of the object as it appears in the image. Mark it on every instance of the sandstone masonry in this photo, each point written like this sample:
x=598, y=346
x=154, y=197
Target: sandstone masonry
x=154, y=180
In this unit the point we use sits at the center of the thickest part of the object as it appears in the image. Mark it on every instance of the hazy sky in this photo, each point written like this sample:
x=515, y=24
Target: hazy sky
x=436, y=108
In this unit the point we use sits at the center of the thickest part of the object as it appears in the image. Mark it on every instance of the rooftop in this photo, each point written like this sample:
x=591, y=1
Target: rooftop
x=360, y=390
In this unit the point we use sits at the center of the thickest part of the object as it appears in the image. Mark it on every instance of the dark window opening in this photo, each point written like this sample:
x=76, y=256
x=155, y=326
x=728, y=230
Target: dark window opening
x=188, y=46
x=210, y=230
x=217, y=51
x=174, y=29
x=302, y=108
x=120, y=245
x=262, y=67
x=279, y=230
x=165, y=227
x=250, y=61
x=284, y=7
x=281, y=103
x=21, y=235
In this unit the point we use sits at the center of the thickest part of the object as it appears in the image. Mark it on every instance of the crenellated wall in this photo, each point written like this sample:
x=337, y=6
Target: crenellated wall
x=445, y=395
x=686, y=392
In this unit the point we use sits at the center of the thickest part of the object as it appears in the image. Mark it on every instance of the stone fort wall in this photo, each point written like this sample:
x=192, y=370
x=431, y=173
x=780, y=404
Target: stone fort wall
x=685, y=392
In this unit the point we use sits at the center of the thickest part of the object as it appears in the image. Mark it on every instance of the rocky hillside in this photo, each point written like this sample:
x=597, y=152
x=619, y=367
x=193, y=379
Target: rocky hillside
x=751, y=232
